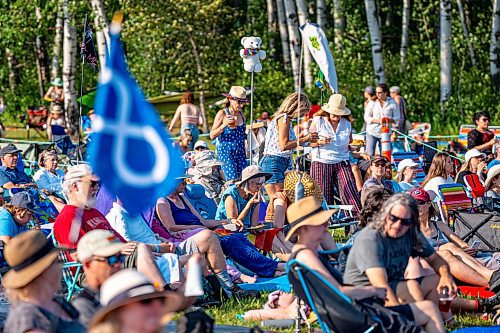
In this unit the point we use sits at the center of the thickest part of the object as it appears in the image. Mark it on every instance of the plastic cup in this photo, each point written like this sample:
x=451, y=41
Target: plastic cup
x=445, y=303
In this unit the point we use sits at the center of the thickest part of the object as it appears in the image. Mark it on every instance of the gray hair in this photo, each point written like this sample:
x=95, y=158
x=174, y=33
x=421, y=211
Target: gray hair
x=66, y=185
x=403, y=199
x=395, y=89
x=245, y=184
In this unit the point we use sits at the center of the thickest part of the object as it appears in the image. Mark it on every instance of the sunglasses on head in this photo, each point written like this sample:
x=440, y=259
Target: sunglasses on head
x=112, y=260
x=405, y=222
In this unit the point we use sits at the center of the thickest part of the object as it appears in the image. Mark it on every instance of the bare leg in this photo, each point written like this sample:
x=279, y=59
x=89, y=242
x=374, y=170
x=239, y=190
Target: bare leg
x=280, y=269
x=470, y=261
x=357, y=176
x=427, y=315
x=208, y=244
x=146, y=264
x=462, y=271
x=271, y=189
x=409, y=291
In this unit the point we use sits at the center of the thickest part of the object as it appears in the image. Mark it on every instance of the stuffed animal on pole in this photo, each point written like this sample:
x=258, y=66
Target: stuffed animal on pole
x=252, y=54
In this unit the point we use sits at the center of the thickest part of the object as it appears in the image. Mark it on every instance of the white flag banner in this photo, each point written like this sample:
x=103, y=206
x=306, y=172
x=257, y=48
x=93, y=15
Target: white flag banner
x=317, y=43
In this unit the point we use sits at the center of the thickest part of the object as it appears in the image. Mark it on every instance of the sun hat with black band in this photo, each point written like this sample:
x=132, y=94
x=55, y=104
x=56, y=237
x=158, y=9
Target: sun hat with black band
x=129, y=286
x=251, y=172
x=237, y=93
x=29, y=255
x=306, y=211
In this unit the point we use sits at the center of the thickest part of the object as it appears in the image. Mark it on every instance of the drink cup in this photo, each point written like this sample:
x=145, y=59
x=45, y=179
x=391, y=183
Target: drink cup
x=232, y=121
x=445, y=303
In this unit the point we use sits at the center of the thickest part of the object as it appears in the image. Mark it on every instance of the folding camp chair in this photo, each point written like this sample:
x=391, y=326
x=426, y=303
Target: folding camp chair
x=474, y=186
x=482, y=227
x=452, y=197
x=37, y=120
x=335, y=311
x=398, y=157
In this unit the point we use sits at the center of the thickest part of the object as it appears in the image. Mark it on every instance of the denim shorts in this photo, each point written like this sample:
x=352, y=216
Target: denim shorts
x=276, y=166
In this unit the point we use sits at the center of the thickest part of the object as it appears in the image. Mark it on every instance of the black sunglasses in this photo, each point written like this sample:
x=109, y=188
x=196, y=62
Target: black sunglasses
x=421, y=202
x=150, y=300
x=405, y=222
x=111, y=260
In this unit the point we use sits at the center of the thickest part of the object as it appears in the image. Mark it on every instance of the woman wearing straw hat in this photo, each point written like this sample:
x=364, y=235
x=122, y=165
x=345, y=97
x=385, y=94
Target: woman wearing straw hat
x=55, y=94
x=312, y=222
x=208, y=173
x=281, y=140
x=31, y=287
x=330, y=160
x=131, y=304
x=276, y=212
x=229, y=128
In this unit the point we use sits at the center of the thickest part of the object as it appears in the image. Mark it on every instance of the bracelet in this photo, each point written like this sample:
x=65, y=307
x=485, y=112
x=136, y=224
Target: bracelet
x=157, y=248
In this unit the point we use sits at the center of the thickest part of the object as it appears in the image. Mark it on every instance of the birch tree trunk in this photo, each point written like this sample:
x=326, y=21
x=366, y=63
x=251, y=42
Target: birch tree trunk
x=338, y=23
x=445, y=51
x=271, y=25
x=40, y=55
x=283, y=33
x=294, y=40
x=56, y=49
x=376, y=40
x=466, y=33
x=102, y=30
x=199, y=70
x=68, y=73
x=495, y=45
x=12, y=63
x=404, y=34
x=303, y=17
x=321, y=18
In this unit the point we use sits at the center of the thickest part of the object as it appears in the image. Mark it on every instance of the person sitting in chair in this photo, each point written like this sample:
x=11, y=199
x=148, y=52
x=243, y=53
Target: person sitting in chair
x=15, y=216
x=310, y=222
x=49, y=178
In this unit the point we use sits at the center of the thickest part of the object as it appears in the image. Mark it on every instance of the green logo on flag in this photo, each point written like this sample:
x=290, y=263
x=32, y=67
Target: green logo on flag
x=314, y=42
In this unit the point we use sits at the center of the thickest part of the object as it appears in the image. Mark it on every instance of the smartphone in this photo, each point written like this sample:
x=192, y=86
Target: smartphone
x=476, y=245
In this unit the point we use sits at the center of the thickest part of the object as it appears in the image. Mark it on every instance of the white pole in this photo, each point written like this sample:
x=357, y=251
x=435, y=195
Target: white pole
x=250, y=153
x=298, y=101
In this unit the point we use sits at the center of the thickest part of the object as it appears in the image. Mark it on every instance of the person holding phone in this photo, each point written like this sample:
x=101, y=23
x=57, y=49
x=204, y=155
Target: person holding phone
x=230, y=131
x=331, y=165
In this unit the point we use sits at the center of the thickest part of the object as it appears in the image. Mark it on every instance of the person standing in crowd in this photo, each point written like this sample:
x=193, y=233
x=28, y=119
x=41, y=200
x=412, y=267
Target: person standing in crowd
x=32, y=285
x=439, y=173
x=407, y=172
x=368, y=95
x=395, y=92
x=99, y=251
x=330, y=159
x=56, y=124
x=55, y=94
x=281, y=141
x=15, y=216
x=190, y=115
x=481, y=138
x=264, y=118
x=474, y=164
x=377, y=111
x=229, y=128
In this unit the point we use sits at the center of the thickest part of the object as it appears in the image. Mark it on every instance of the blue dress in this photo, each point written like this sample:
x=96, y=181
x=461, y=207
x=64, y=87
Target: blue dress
x=231, y=151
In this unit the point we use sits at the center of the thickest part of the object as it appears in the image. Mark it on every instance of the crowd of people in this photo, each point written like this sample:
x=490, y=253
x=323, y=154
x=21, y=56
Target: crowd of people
x=403, y=257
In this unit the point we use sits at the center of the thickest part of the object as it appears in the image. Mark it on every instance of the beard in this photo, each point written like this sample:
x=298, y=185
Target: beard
x=86, y=201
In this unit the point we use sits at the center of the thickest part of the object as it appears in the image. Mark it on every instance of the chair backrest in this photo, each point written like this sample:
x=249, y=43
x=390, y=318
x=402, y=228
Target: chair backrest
x=204, y=205
x=398, y=157
x=335, y=310
x=452, y=197
x=474, y=186
x=465, y=129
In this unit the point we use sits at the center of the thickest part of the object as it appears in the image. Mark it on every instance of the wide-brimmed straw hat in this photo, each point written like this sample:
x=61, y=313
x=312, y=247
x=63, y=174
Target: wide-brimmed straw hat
x=311, y=187
x=306, y=211
x=251, y=172
x=336, y=105
x=204, y=161
x=238, y=93
x=57, y=82
x=494, y=171
x=29, y=255
x=56, y=108
x=129, y=286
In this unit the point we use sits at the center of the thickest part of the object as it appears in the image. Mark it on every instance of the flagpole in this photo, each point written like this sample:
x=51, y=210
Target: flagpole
x=78, y=146
x=250, y=153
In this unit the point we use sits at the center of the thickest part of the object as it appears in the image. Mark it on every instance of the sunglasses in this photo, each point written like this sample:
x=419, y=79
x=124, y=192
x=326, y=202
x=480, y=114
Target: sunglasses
x=151, y=300
x=421, y=202
x=200, y=148
x=378, y=164
x=112, y=260
x=405, y=222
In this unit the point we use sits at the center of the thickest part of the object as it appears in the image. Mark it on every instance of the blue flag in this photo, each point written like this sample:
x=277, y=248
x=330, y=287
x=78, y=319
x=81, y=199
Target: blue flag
x=131, y=151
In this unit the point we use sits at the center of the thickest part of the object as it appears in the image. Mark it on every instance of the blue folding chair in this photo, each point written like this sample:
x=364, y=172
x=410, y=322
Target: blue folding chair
x=204, y=205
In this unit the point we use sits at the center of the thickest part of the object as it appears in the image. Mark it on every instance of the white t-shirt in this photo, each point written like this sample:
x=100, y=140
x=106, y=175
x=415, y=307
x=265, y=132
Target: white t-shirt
x=433, y=184
x=374, y=110
x=338, y=149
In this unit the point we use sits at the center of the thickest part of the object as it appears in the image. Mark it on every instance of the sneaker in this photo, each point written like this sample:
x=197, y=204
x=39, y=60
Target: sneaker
x=490, y=303
x=494, y=283
x=240, y=293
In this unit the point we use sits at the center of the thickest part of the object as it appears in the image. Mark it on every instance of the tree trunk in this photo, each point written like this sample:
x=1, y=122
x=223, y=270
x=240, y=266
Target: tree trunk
x=404, y=34
x=294, y=40
x=40, y=56
x=12, y=63
x=376, y=40
x=102, y=30
x=199, y=70
x=321, y=18
x=466, y=33
x=283, y=33
x=389, y=16
x=68, y=74
x=445, y=50
x=495, y=45
x=303, y=17
x=271, y=22
x=338, y=23
x=56, y=50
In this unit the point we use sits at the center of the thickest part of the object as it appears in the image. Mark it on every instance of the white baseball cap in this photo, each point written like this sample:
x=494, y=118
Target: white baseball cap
x=78, y=171
x=407, y=162
x=200, y=143
x=99, y=242
x=473, y=153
